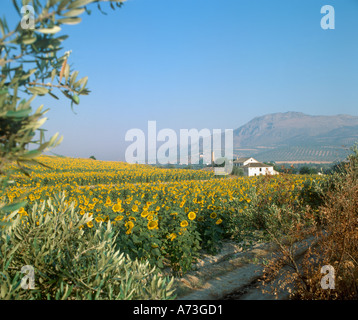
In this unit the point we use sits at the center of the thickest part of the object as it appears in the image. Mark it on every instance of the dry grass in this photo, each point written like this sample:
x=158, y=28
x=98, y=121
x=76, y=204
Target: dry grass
x=333, y=229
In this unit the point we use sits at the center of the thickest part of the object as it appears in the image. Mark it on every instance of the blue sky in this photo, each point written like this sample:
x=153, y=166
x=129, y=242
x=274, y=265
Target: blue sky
x=202, y=64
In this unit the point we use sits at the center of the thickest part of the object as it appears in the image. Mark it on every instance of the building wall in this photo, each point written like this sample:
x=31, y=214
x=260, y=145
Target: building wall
x=256, y=171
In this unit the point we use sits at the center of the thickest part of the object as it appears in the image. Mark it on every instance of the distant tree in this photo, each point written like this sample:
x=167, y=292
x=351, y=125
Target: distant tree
x=308, y=169
x=313, y=170
x=338, y=168
x=92, y=157
x=290, y=169
x=305, y=170
x=236, y=171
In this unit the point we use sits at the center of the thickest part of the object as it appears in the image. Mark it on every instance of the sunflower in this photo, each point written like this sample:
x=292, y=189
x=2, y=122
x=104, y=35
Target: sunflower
x=152, y=224
x=89, y=224
x=172, y=236
x=116, y=207
x=218, y=221
x=213, y=215
x=191, y=215
x=144, y=214
x=184, y=223
x=98, y=219
x=129, y=225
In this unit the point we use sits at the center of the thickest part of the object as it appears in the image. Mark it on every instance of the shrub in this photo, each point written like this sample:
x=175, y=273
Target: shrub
x=272, y=209
x=333, y=242
x=236, y=171
x=72, y=262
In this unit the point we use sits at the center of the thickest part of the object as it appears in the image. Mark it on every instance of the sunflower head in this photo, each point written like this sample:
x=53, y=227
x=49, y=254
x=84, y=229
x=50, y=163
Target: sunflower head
x=116, y=207
x=184, y=223
x=152, y=224
x=191, y=215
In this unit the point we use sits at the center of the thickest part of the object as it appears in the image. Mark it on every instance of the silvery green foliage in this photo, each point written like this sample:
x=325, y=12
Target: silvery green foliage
x=72, y=263
x=32, y=63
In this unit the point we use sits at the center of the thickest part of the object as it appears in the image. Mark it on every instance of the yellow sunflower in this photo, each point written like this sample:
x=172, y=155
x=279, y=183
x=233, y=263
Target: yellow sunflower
x=129, y=225
x=191, y=215
x=152, y=224
x=116, y=207
x=172, y=236
x=184, y=223
x=98, y=219
x=213, y=215
x=144, y=214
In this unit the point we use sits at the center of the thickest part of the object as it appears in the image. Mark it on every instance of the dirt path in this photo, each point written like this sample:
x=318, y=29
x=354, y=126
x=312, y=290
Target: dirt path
x=233, y=274
x=234, y=269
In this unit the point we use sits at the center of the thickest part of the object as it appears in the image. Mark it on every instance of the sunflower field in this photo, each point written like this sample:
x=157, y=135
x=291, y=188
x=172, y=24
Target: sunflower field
x=164, y=216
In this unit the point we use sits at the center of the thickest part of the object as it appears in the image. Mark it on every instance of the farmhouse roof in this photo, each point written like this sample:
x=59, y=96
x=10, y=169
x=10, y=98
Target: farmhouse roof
x=257, y=165
x=240, y=160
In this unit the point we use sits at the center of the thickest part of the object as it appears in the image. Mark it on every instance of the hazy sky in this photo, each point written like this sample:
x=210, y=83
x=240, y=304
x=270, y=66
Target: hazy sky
x=202, y=64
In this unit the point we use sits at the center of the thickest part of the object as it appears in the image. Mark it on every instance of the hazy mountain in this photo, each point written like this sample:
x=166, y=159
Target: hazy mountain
x=295, y=136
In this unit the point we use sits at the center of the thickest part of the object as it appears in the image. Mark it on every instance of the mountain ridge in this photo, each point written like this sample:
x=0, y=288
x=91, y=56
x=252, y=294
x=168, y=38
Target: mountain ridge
x=296, y=136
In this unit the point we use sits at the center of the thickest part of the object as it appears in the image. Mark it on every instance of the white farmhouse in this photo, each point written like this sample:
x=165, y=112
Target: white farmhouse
x=240, y=162
x=252, y=167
